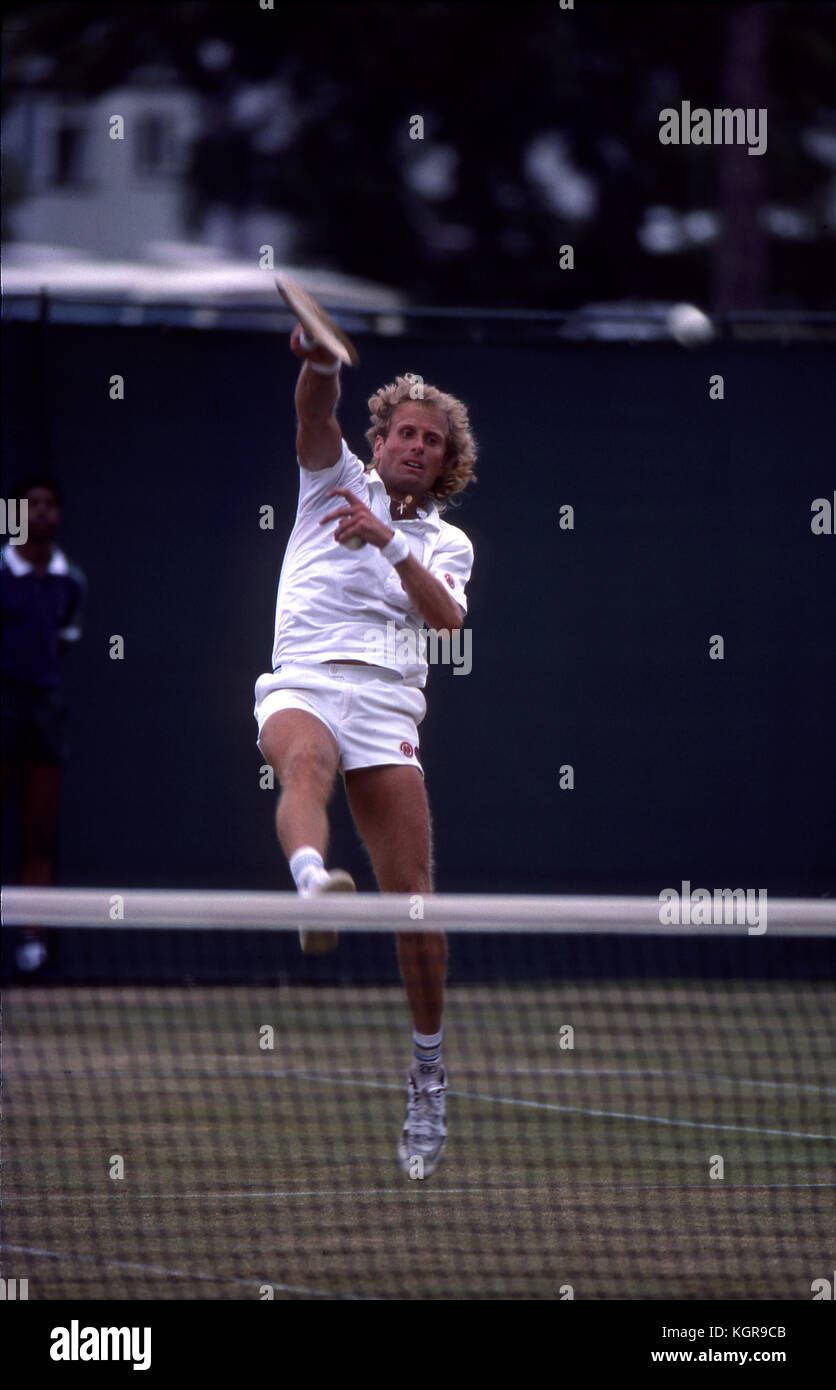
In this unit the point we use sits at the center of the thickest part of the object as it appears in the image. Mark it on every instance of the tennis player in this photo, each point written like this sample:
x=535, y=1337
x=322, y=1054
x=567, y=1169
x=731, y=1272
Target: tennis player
x=349, y=668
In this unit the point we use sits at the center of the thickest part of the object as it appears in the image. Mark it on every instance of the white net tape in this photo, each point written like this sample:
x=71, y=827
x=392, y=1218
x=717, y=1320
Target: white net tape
x=131, y=907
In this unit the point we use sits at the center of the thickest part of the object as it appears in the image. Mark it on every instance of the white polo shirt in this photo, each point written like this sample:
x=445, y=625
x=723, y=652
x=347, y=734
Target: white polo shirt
x=336, y=604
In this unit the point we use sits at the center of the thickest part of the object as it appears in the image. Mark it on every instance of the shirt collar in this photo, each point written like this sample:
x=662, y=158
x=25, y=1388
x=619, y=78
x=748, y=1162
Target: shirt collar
x=19, y=566
x=428, y=513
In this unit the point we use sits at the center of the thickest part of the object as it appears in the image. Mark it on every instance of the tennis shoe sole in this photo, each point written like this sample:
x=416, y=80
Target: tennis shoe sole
x=318, y=941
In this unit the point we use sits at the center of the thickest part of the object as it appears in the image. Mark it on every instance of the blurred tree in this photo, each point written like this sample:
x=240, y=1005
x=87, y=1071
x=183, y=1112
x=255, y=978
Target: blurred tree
x=541, y=128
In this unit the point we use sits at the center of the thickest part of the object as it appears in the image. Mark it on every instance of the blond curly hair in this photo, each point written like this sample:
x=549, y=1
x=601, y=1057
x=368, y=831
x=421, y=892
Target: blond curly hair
x=458, y=469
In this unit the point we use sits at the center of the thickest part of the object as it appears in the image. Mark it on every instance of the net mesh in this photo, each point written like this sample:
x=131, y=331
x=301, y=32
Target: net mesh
x=199, y=1114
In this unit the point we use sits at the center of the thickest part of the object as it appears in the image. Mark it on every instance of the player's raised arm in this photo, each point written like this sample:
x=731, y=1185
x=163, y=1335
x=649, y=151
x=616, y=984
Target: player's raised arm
x=318, y=436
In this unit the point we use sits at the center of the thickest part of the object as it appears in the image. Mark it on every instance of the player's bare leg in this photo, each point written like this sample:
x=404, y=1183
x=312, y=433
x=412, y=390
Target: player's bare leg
x=390, y=809
x=303, y=754
x=304, y=757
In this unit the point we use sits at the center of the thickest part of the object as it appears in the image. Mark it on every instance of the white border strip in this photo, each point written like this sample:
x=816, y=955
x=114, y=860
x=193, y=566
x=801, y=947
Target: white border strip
x=380, y=912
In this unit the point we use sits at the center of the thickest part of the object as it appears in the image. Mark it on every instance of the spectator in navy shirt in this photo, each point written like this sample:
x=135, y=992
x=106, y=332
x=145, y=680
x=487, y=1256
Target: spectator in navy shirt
x=41, y=596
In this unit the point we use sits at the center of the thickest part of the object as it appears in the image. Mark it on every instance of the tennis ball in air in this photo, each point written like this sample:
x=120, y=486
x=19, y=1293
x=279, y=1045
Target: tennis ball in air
x=689, y=325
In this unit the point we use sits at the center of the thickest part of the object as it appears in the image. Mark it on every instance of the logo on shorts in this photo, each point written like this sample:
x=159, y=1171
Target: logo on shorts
x=407, y=749
x=450, y=580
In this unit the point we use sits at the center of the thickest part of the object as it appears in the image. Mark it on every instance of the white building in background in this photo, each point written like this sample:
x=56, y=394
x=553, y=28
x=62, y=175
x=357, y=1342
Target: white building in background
x=85, y=190
x=115, y=198
x=105, y=220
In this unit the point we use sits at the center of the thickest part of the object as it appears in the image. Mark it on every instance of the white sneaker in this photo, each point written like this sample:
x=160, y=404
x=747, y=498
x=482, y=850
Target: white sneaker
x=316, y=941
x=424, y=1132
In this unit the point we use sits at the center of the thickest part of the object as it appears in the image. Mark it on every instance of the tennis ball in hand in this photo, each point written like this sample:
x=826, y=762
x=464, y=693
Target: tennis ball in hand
x=689, y=325
x=354, y=543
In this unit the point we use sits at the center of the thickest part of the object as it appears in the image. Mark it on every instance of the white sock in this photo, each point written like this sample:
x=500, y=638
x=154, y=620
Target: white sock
x=307, y=868
x=426, y=1055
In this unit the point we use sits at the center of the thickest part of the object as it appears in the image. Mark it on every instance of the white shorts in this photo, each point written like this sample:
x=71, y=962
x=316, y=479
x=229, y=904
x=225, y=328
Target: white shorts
x=372, y=715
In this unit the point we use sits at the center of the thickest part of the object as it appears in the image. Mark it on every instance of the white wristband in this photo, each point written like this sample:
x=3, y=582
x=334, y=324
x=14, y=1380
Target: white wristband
x=396, y=550
x=329, y=369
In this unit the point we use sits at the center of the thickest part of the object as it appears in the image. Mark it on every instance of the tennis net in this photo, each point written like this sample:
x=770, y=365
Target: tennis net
x=196, y=1110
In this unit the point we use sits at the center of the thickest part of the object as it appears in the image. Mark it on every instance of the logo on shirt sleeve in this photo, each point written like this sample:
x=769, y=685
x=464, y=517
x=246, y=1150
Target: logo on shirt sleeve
x=408, y=751
x=450, y=580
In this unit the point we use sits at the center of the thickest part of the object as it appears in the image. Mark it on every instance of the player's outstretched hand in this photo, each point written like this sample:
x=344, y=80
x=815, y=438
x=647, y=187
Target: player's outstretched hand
x=356, y=522
x=316, y=353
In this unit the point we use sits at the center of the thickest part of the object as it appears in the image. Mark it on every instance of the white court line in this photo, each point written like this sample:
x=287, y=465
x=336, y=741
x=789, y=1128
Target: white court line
x=645, y=1119
x=578, y=1109
x=583, y=1071
x=170, y=1273
x=603, y=1071
x=353, y=1193
x=645, y=1071
x=203, y=1070
x=506, y=1100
